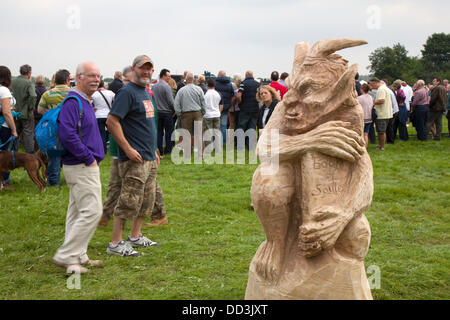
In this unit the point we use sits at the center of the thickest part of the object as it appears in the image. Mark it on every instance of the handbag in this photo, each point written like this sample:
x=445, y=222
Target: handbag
x=374, y=114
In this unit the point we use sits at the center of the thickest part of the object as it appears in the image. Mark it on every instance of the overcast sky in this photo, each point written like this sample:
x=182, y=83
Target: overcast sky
x=199, y=35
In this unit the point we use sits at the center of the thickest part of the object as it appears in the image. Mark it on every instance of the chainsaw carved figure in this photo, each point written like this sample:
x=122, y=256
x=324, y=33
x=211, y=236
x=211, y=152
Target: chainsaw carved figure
x=312, y=208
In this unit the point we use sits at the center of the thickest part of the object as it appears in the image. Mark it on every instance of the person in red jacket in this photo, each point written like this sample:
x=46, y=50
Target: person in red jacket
x=276, y=85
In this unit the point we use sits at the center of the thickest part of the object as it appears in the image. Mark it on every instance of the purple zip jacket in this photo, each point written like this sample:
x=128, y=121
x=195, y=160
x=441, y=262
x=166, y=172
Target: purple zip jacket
x=88, y=149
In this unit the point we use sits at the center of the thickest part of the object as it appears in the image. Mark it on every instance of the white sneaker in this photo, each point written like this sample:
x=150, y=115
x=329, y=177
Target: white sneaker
x=141, y=242
x=123, y=249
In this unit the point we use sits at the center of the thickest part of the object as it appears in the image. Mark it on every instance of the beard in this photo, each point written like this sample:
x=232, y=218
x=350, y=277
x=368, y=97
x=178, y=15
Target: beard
x=141, y=81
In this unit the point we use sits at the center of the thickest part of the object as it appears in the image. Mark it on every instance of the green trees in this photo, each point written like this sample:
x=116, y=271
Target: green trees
x=394, y=63
x=436, y=55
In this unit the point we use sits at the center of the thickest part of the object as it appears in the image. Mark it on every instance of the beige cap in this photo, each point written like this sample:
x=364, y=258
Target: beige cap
x=139, y=61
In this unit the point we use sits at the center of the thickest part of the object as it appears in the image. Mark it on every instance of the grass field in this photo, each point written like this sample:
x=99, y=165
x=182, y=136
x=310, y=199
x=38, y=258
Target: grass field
x=212, y=235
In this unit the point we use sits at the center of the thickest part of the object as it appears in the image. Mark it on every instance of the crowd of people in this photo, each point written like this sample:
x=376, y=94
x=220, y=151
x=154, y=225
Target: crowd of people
x=135, y=119
x=390, y=109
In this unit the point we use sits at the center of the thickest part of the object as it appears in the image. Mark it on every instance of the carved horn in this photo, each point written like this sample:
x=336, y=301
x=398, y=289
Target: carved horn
x=301, y=52
x=324, y=48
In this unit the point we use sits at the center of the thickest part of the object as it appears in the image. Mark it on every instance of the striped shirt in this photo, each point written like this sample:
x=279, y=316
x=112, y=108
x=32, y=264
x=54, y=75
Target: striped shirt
x=53, y=97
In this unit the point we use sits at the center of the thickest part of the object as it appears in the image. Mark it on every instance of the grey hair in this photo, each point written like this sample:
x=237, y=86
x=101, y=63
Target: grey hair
x=25, y=69
x=126, y=71
x=189, y=77
x=79, y=71
x=421, y=83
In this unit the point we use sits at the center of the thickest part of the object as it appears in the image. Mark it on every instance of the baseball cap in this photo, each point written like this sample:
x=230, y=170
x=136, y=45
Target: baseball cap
x=139, y=61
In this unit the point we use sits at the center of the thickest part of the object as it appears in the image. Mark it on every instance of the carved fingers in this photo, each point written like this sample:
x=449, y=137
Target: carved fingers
x=336, y=140
x=315, y=237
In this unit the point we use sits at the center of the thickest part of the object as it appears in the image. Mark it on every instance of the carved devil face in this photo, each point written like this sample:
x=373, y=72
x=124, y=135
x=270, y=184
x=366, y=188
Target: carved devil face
x=320, y=82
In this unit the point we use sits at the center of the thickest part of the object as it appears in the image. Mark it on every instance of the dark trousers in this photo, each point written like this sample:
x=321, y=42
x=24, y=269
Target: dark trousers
x=103, y=134
x=420, y=120
x=400, y=124
x=247, y=120
x=372, y=136
x=390, y=137
x=165, y=128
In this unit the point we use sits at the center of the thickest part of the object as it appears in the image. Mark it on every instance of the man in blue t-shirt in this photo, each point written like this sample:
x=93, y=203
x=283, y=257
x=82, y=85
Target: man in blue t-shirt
x=132, y=124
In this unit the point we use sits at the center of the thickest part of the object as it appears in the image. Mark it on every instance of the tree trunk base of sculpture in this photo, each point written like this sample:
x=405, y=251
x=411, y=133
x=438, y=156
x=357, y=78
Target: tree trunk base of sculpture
x=329, y=276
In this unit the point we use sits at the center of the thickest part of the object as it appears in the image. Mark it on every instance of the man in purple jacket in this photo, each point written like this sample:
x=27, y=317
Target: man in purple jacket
x=80, y=167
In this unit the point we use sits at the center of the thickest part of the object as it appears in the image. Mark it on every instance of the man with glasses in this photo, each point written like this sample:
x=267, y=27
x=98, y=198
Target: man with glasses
x=132, y=124
x=80, y=136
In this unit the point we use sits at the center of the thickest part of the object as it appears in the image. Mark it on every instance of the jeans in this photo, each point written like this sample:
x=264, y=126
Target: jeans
x=223, y=125
x=165, y=128
x=247, y=120
x=54, y=171
x=372, y=137
x=400, y=123
x=103, y=134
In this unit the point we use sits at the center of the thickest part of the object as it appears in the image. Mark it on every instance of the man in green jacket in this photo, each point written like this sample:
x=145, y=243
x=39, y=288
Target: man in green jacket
x=25, y=94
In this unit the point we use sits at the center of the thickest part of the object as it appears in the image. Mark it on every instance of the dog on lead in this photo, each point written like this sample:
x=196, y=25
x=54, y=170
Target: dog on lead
x=33, y=164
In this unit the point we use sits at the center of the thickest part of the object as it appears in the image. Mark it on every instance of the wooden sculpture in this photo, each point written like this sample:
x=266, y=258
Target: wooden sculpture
x=312, y=207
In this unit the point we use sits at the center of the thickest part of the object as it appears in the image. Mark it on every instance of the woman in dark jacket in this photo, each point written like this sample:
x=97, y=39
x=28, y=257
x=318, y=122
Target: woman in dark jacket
x=269, y=99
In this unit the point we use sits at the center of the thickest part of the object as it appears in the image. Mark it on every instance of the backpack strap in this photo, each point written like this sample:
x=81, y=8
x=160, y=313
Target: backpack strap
x=81, y=112
x=109, y=106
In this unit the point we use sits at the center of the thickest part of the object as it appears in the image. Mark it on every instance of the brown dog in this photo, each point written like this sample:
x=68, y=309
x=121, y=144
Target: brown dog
x=31, y=163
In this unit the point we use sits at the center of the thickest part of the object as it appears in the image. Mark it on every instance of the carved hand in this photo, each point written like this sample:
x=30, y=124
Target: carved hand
x=322, y=233
x=332, y=138
x=337, y=140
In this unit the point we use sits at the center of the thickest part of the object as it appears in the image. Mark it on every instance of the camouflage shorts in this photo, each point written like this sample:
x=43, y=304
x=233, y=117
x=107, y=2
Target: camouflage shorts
x=159, y=210
x=137, y=196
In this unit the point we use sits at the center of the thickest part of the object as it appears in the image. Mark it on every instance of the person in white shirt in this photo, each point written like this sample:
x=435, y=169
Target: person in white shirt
x=390, y=137
x=103, y=100
x=211, y=118
x=8, y=128
x=407, y=90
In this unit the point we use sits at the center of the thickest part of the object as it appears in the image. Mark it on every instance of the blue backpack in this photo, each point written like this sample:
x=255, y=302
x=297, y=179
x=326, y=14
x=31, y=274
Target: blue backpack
x=46, y=132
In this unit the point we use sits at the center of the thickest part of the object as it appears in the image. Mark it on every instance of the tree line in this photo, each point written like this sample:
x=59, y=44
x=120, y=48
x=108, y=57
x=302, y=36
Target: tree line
x=395, y=63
